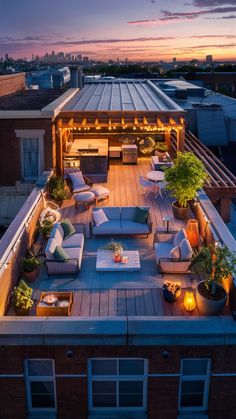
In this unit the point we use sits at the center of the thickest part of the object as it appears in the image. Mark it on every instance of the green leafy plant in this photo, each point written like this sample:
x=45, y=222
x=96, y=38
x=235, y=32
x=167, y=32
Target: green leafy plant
x=216, y=263
x=46, y=227
x=161, y=147
x=30, y=263
x=114, y=246
x=185, y=177
x=21, y=296
x=56, y=188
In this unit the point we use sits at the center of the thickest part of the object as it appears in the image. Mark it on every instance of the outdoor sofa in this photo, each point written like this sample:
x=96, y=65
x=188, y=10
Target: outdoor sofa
x=121, y=222
x=73, y=245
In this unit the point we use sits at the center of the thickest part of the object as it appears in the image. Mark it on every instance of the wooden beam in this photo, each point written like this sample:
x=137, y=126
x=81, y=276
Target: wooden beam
x=59, y=153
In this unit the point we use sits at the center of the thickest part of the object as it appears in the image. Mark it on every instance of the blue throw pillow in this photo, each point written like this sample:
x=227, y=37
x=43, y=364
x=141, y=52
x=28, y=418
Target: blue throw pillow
x=140, y=215
x=68, y=228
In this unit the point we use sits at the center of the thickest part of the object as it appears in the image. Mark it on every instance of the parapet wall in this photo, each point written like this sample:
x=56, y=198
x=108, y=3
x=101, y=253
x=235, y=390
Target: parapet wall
x=11, y=83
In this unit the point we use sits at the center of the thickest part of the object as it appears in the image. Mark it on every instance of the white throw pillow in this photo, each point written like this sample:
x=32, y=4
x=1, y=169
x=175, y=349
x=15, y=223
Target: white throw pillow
x=175, y=252
x=180, y=235
x=185, y=249
x=77, y=179
x=99, y=217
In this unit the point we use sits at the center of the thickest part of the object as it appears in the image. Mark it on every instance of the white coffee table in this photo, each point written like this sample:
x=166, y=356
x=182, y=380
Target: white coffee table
x=105, y=261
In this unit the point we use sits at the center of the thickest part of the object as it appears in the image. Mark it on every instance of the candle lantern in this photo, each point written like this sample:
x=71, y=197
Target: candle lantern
x=189, y=300
x=192, y=232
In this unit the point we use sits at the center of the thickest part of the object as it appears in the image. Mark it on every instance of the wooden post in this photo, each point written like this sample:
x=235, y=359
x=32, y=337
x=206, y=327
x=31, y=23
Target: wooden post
x=167, y=139
x=181, y=142
x=225, y=209
x=59, y=154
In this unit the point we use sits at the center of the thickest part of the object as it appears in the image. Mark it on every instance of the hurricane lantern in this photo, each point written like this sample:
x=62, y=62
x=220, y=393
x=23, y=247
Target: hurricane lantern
x=192, y=232
x=189, y=300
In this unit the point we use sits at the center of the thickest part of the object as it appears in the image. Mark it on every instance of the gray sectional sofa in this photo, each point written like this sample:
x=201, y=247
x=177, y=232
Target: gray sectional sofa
x=74, y=247
x=121, y=222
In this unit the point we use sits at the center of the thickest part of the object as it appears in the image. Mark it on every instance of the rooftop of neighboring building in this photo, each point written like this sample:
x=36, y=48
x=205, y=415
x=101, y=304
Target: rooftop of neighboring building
x=121, y=95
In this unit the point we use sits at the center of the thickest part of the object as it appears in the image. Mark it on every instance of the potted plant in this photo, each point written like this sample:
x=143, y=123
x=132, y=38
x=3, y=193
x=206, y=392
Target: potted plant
x=45, y=228
x=216, y=263
x=160, y=150
x=184, y=179
x=56, y=188
x=171, y=291
x=116, y=248
x=30, y=267
x=21, y=298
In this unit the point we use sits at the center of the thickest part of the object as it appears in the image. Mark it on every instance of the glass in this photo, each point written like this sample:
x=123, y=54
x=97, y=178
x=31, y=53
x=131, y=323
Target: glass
x=104, y=367
x=131, y=367
x=194, y=367
x=40, y=368
x=42, y=394
x=130, y=393
x=104, y=393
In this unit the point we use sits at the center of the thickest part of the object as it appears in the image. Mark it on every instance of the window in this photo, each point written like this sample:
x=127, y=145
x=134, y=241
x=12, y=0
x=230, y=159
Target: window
x=194, y=384
x=30, y=158
x=40, y=384
x=117, y=383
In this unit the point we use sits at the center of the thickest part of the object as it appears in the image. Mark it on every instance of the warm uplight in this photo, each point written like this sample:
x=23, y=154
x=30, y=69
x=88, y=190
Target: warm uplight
x=189, y=301
x=192, y=232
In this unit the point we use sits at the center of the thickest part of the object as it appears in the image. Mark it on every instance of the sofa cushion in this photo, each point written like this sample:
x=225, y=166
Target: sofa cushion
x=76, y=240
x=74, y=252
x=186, y=251
x=60, y=254
x=127, y=213
x=68, y=228
x=58, y=233
x=77, y=179
x=175, y=252
x=180, y=235
x=81, y=188
x=99, y=217
x=51, y=245
x=140, y=215
x=112, y=213
x=162, y=250
x=113, y=227
x=131, y=227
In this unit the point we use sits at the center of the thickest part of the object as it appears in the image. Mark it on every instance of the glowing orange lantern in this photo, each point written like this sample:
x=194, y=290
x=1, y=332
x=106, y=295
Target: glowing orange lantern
x=192, y=232
x=189, y=300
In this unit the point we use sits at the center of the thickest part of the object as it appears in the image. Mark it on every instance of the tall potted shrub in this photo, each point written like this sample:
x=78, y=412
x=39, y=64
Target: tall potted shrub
x=184, y=179
x=21, y=298
x=56, y=188
x=216, y=264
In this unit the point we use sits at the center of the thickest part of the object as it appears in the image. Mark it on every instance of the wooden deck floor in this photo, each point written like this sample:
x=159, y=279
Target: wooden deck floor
x=119, y=294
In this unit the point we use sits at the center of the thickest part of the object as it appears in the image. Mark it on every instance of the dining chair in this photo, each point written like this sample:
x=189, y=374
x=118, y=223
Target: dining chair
x=146, y=184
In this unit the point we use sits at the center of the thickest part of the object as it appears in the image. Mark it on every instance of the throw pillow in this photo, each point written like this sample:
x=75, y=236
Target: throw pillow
x=99, y=217
x=180, y=235
x=60, y=254
x=77, y=179
x=175, y=252
x=140, y=215
x=185, y=249
x=68, y=228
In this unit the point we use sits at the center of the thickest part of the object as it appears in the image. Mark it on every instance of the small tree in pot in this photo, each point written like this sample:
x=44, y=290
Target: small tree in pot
x=184, y=179
x=160, y=150
x=216, y=263
x=21, y=298
x=30, y=267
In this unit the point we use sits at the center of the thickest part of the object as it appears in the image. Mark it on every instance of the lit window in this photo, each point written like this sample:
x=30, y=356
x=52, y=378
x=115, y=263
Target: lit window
x=117, y=383
x=194, y=384
x=40, y=384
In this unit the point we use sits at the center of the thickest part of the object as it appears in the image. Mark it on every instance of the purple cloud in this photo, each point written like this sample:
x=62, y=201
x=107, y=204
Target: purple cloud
x=211, y=3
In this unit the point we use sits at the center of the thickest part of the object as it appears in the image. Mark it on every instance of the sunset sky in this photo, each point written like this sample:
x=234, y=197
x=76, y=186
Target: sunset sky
x=107, y=29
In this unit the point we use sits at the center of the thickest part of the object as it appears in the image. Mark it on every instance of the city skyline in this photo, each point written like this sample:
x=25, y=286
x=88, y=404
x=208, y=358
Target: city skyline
x=139, y=29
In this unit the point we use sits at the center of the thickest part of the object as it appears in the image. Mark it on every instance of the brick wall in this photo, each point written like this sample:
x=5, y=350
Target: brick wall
x=10, y=157
x=11, y=83
x=72, y=397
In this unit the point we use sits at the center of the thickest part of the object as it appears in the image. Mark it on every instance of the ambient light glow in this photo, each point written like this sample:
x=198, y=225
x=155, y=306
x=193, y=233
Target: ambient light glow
x=147, y=30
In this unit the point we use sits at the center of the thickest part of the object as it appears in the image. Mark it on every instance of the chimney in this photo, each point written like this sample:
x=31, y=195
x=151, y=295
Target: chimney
x=76, y=76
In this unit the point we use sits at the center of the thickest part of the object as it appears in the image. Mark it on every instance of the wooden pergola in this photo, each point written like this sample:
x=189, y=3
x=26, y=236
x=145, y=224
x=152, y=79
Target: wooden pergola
x=221, y=185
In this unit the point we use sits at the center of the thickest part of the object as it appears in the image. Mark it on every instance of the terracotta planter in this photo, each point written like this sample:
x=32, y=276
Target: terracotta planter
x=179, y=212
x=161, y=155
x=117, y=257
x=209, y=307
x=30, y=276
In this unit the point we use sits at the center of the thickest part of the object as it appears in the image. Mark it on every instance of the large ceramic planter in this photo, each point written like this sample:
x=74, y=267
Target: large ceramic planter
x=179, y=212
x=30, y=276
x=209, y=307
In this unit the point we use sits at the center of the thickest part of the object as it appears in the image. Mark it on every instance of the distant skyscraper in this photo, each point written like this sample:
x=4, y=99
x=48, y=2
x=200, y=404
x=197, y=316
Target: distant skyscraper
x=6, y=57
x=209, y=60
x=174, y=60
